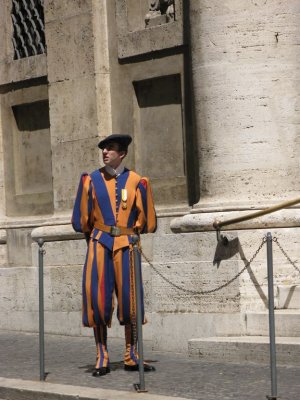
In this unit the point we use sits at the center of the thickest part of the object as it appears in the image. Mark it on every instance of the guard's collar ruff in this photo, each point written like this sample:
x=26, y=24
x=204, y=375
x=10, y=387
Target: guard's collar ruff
x=114, y=172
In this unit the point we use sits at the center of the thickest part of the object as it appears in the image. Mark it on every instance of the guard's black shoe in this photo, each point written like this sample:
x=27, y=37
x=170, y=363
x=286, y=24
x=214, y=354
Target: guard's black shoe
x=101, y=371
x=147, y=367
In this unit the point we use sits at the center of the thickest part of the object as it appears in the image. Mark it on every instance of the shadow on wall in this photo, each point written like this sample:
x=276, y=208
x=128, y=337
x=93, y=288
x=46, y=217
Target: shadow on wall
x=227, y=249
x=190, y=126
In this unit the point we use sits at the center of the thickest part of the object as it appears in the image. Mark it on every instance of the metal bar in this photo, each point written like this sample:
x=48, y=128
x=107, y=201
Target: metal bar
x=41, y=310
x=271, y=319
x=219, y=224
x=137, y=273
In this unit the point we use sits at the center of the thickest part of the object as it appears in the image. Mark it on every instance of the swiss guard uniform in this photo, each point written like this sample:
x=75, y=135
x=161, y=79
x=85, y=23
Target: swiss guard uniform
x=110, y=206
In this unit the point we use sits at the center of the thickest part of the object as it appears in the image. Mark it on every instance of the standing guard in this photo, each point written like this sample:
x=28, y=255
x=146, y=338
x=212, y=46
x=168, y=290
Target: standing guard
x=112, y=204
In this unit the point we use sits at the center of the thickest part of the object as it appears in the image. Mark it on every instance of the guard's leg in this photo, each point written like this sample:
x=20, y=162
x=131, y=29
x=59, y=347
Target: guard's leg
x=130, y=356
x=125, y=286
x=125, y=291
x=102, y=359
x=98, y=285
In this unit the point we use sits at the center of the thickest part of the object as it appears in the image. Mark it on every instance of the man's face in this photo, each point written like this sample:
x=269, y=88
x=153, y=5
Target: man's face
x=111, y=155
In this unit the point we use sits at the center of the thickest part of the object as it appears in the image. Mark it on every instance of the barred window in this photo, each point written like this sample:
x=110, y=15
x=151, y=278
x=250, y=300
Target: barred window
x=28, y=28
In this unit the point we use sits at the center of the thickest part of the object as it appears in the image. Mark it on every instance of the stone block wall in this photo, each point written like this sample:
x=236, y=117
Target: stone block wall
x=72, y=95
x=210, y=97
x=245, y=74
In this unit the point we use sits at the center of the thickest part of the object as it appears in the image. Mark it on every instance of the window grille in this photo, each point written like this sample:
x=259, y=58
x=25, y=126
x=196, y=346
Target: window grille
x=28, y=28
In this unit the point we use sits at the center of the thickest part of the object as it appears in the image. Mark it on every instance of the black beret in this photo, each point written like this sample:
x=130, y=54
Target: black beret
x=124, y=140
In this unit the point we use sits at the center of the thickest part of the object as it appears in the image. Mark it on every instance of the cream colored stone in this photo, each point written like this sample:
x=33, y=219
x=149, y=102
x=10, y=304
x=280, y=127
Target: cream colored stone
x=103, y=81
x=23, y=321
x=194, y=276
x=245, y=92
x=286, y=323
x=199, y=325
x=26, y=68
x=19, y=239
x=3, y=256
x=73, y=110
x=289, y=296
x=140, y=40
x=204, y=221
x=67, y=170
x=42, y=389
x=26, y=155
x=70, y=47
x=55, y=232
x=3, y=236
x=241, y=349
x=19, y=290
x=250, y=84
x=54, y=9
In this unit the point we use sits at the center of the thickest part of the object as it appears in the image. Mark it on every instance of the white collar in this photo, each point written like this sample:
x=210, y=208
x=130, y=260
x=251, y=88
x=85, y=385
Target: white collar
x=114, y=172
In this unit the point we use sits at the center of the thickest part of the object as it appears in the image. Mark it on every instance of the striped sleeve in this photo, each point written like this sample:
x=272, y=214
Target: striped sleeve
x=146, y=221
x=82, y=211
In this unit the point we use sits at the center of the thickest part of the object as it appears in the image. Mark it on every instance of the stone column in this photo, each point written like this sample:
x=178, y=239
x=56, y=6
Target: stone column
x=245, y=71
x=245, y=68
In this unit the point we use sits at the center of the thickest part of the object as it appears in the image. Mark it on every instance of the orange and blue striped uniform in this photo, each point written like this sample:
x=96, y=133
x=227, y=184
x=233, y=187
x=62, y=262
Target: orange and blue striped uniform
x=107, y=266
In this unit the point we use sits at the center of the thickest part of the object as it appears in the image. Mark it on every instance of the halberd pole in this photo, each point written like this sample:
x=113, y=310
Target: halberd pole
x=41, y=310
x=271, y=319
x=137, y=273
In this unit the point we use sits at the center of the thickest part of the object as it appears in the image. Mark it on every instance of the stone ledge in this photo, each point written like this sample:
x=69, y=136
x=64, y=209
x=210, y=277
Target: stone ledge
x=35, y=221
x=18, y=389
x=202, y=222
x=148, y=40
x=245, y=349
x=23, y=69
x=287, y=323
x=55, y=233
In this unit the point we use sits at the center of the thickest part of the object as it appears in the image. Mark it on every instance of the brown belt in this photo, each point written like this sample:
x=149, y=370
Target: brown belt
x=114, y=230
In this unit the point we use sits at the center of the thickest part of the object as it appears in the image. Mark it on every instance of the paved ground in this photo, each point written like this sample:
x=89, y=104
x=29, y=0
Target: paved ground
x=70, y=360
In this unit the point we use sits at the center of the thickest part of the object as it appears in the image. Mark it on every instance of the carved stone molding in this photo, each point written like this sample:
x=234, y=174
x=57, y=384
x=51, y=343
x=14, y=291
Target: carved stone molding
x=155, y=30
x=55, y=233
x=203, y=222
x=160, y=10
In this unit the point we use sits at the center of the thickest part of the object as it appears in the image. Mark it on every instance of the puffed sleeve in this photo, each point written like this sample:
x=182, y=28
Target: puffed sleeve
x=82, y=211
x=146, y=221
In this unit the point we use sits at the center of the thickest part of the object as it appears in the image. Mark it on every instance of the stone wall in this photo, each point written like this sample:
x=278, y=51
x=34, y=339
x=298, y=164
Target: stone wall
x=210, y=93
x=246, y=78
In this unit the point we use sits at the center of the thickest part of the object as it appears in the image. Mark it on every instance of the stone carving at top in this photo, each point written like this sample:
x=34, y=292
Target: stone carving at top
x=160, y=11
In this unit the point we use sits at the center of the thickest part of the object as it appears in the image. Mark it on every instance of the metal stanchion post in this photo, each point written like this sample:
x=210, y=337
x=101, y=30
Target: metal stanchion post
x=140, y=387
x=271, y=319
x=41, y=309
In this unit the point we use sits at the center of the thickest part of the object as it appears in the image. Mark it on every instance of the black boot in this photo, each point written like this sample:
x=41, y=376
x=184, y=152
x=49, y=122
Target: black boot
x=131, y=358
x=102, y=360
